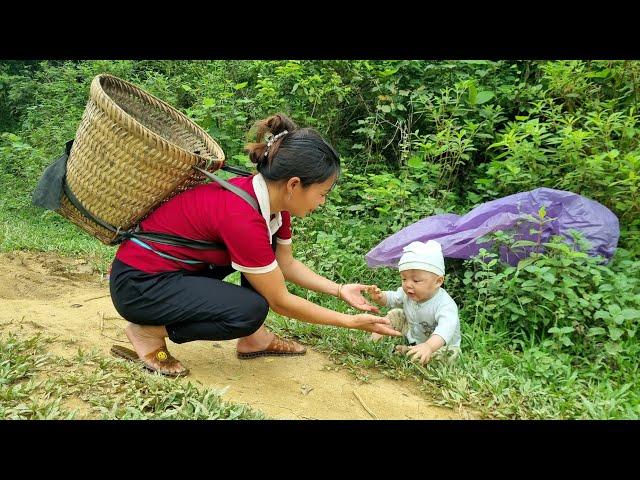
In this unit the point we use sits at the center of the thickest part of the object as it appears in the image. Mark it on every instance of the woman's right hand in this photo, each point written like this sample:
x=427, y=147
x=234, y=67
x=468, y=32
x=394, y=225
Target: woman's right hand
x=371, y=323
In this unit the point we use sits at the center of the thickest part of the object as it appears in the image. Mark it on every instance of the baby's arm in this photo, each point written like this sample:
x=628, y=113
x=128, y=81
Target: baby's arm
x=377, y=296
x=389, y=299
x=447, y=321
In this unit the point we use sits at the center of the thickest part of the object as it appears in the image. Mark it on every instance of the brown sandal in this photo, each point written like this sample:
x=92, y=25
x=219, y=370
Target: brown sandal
x=161, y=355
x=278, y=347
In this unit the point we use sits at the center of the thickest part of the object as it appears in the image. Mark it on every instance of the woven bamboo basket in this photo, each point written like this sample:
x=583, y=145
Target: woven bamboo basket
x=131, y=152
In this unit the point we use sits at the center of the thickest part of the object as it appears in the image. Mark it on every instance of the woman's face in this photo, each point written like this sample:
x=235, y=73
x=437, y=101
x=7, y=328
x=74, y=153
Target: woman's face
x=305, y=200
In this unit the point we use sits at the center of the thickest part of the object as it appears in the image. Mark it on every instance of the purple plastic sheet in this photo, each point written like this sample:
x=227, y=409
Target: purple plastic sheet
x=458, y=235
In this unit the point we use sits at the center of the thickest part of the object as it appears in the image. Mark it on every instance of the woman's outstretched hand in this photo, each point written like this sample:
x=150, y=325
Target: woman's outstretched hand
x=352, y=294
x=371, y=323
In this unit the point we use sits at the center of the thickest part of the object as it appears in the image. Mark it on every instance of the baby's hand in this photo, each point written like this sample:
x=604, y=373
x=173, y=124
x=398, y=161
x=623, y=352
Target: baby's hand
x=375, y=293
x=376, y=337
x=421, y=353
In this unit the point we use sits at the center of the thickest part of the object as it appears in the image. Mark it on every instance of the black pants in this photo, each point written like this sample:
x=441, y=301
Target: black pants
x=191, y=305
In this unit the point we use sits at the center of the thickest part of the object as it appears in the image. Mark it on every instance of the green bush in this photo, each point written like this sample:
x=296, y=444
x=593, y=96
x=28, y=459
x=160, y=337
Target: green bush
x=584, y=306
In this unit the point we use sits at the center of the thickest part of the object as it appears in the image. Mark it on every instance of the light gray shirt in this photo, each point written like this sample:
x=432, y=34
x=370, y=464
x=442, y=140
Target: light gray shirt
x=437, y=315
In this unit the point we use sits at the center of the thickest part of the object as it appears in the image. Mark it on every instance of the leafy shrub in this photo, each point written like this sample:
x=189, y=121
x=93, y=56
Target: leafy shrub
x=563, y=294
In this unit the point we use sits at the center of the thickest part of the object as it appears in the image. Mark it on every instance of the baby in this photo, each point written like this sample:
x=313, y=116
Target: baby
x=428, y=317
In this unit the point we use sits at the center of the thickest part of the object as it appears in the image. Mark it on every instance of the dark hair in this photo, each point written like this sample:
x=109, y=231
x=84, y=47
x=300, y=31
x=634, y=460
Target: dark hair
x=302, y=152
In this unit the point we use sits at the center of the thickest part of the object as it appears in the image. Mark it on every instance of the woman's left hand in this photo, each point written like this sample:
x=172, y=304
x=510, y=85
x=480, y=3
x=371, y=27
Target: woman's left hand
x=352, y=294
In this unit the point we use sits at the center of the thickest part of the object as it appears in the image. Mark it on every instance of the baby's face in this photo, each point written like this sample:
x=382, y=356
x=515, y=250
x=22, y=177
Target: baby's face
x=420, y=285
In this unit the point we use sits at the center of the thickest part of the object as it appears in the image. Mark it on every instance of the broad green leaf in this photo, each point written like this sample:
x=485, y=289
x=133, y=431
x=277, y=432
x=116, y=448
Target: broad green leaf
x=523, y=243
x=613, y=348
x=240, y=86
x=630, y=313
x=615, y=309
x=561, y=330
x=548, y=294
x=483, y=97
x=615, y=333
x=618, y=319
x=525, y=262
x=388, y=72
x=415, y=162
x=355, y=208
x=601, y=74
x=473, y=93
x=549, y=277
x=566, y=341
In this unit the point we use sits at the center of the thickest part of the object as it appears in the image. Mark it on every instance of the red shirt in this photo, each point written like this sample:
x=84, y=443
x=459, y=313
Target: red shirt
x=209, y=212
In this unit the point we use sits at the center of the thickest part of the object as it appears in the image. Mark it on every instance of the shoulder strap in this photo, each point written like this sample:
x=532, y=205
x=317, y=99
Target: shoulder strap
x=238, y=191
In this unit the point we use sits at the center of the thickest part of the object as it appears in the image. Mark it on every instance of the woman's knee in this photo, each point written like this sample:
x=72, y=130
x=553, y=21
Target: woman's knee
x=254, y=314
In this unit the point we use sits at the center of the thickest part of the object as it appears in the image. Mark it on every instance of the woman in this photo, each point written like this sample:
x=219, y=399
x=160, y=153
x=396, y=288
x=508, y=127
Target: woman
x=178, y=292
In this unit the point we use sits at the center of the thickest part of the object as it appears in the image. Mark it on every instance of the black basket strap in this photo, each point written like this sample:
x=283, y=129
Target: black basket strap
x=236, y=170
x=76, y=203
x=167, y=239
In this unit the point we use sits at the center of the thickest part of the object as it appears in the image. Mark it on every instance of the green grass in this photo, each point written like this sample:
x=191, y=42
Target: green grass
x=35, y=384
x=31, y=228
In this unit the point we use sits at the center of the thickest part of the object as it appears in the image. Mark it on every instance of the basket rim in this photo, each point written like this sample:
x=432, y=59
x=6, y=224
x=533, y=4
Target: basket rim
x=124, y=117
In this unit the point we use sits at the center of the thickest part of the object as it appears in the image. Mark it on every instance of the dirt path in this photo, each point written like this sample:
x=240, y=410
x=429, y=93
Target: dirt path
x=65, y=298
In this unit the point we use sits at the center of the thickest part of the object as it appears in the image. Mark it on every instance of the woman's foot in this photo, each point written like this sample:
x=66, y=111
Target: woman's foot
x=262, y=342
x=149, y=343
x=259, y=340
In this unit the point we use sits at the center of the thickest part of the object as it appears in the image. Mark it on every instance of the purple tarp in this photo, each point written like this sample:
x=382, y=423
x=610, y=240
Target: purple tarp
x=458, y=234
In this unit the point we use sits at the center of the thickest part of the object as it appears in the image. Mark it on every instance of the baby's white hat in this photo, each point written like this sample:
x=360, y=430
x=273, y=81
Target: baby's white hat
x=423, y=256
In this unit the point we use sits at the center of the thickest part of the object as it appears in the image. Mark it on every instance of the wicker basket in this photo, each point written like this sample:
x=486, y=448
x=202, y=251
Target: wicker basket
x=132, y=151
